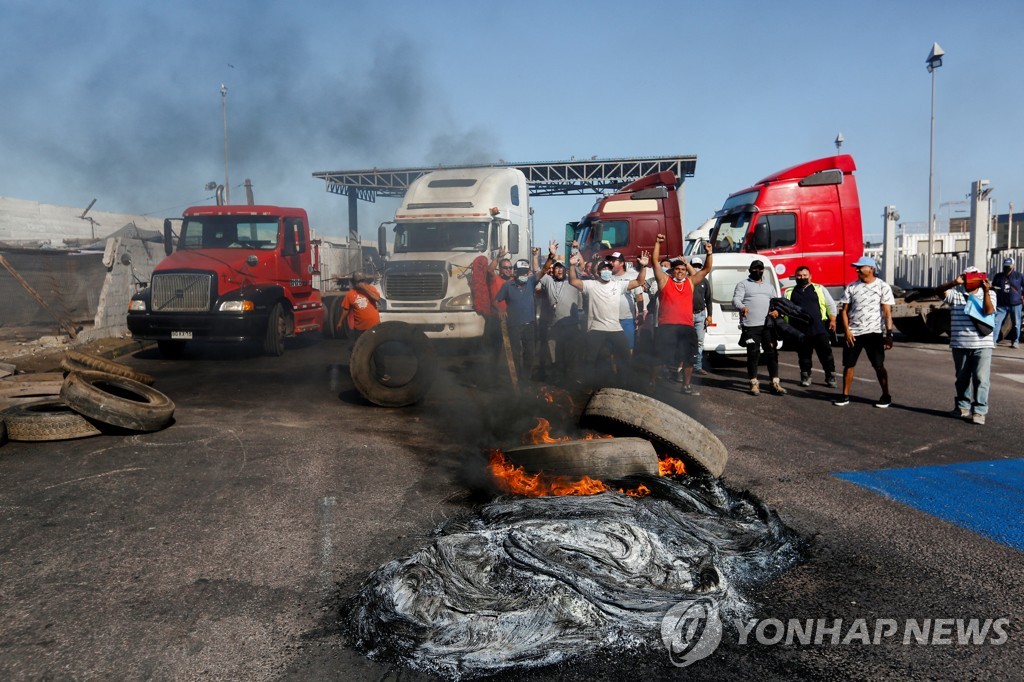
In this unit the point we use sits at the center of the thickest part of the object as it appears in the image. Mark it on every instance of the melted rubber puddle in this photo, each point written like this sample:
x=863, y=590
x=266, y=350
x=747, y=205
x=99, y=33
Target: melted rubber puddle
x=534, y=582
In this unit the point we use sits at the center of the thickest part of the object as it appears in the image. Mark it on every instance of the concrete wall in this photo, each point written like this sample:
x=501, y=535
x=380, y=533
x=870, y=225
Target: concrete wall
x=129, y=262
x=29, y=222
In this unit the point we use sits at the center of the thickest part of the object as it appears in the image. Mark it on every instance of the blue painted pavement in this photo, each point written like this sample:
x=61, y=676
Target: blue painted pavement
x=985, y=497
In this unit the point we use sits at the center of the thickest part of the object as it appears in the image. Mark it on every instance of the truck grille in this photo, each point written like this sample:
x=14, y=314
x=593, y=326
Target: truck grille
x=181, y=293
x=414, y=286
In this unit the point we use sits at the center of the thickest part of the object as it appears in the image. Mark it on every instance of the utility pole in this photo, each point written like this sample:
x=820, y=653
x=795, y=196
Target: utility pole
x=224, y=110
x=934, y=61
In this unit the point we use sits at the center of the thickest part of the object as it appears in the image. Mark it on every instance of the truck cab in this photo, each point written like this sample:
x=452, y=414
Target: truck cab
x=805, y=215
x=447, y=220
x=630, y=220
x=240, y=273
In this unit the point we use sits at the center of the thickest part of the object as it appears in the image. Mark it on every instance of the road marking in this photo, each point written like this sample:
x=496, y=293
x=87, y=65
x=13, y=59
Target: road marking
x=1013, y=377
x=327, y=505
x=839, y=373
x=984, y=497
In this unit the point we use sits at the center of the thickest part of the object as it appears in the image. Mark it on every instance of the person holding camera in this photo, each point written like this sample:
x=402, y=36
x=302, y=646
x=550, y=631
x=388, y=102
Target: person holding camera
x=969, y=297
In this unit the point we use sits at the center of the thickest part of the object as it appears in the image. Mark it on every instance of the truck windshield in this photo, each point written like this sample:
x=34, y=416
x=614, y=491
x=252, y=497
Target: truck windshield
x=413, y=237
x=730, y=233
x=228, y=232
x=603, y=234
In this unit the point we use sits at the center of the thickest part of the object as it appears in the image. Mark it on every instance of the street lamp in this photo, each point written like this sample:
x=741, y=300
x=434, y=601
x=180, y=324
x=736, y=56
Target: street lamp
x=224, y=109
x=839, y=142
x=934, y=61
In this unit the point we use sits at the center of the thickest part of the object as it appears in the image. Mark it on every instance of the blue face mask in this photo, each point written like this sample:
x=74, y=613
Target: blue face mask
x=606, y=275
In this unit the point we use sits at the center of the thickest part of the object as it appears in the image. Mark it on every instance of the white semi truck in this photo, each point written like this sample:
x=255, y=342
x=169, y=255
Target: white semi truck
x=447, y=219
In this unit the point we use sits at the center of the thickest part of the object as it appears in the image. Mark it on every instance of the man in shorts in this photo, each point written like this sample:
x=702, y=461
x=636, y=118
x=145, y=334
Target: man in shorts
x=866, y=314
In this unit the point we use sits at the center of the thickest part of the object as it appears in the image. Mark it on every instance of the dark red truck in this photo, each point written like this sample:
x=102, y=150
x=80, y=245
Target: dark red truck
x=240, y=273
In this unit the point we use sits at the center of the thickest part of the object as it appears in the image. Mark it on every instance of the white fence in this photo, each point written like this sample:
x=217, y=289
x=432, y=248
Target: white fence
x=912, y=271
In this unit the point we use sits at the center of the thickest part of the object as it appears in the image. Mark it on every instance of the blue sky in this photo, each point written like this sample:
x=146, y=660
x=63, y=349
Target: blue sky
x=120, y=100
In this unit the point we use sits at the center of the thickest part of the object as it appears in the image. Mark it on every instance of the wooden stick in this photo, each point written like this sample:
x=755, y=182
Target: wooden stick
x=68, y=327
x=509, y=357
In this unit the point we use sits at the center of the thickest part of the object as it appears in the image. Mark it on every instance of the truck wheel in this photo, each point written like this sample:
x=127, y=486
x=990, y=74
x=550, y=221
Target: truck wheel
x=329, y=319
x=171, y=349
x=273, y=343
x=393, y=364
x=75, y=361
x=117, y=401
x=624, y=413
x=600, y=458
x=43, y=420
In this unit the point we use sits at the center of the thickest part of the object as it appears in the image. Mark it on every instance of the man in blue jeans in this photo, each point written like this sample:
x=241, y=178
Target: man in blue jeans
x=701, y=314
x=1007, y=285
x=972, y=352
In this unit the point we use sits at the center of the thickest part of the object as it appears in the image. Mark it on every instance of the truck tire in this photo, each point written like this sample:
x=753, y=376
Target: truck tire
x=277, y=327
x=117, y=401
x=329, y=319
x=42, y=420
x=624, y=413
x=171, y=349
x=600, y=458
x=374, y=383
x=75, y=361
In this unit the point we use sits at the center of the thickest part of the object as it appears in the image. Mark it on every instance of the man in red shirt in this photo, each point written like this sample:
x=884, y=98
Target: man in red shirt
x=675, y=338
x=359, y=307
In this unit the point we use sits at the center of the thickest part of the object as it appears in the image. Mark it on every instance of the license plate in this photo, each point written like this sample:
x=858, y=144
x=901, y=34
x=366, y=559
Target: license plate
x=181, y=335
x=734, y=316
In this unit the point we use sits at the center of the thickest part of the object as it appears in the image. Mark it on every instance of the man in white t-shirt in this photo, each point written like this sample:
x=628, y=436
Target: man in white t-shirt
x=867, y=309
x=972, y=352
x=603, y=296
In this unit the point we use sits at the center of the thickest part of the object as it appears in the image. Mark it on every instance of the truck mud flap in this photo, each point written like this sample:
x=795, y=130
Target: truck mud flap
x=624, y=413
x=117, y=401
x=393, y=364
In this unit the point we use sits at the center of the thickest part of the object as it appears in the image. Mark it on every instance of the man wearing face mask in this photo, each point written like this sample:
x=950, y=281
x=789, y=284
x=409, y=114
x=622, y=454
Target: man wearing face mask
x=602, y=299
x=519, y=295
x=972, y=352
x=815, y=300
x=1008, y=285
x=676, y=337
x=752, y=297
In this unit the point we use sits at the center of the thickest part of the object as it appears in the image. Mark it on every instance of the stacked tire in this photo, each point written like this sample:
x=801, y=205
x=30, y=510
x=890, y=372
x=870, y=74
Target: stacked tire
x=94, y=395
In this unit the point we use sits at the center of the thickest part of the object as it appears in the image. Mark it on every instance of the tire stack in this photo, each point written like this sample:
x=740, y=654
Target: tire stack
x=94, y=395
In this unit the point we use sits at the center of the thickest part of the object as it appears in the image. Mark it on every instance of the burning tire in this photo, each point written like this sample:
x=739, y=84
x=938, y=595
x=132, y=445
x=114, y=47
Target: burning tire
x=600, y=458
x=44, y=420
x=624, y=413
x=117, y=401
x=393, y=364
x=75, y=361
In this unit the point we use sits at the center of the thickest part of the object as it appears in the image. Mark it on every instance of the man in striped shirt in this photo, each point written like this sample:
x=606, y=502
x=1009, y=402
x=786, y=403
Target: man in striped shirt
x=972, y=352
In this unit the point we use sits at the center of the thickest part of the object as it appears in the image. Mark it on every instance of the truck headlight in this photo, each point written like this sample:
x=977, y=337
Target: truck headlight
x=137, y=306
x=460, y=303
x=236, y=307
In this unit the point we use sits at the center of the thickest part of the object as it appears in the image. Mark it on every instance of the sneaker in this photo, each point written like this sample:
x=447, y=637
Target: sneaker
x=777, y=388
x=805, y=379
x=690, y=390
x=978, y=419
x=960, y=412
x=884, y=401
x=831, y=382
x=841, y=401
x=678, y=378
x=1012, y=345
x=755, y=387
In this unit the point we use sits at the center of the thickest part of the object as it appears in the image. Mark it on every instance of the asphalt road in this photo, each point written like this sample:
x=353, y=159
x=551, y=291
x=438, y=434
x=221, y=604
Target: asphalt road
x=222, y=546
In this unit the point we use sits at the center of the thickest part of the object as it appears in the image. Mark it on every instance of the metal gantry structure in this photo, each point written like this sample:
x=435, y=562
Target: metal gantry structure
x=551, y=178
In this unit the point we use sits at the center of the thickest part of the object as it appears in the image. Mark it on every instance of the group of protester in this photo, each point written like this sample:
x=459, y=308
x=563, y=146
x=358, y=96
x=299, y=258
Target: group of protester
x=604, y=317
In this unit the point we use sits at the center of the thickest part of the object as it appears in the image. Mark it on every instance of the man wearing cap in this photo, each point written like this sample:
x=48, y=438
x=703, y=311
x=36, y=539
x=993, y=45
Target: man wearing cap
x=628, y=304
x=520, y=298
x=1008, y=285
x=972, y=352
x=560, y=305
x=603, y=296
x=359, y=307
x=867, y=312
x=752, y=297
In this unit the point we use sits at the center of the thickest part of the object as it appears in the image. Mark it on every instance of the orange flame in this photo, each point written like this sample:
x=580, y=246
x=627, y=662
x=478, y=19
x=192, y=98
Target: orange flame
x=541, y=433
x=514, y=479
x=670, y=466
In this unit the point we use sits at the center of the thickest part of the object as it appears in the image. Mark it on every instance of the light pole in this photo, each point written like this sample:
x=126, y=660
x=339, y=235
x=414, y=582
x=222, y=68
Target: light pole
x=934, y=61
x=839, y=142
x=224, y=110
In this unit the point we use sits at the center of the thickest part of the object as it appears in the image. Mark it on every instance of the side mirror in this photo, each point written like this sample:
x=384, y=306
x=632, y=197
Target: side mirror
x=762, y=236
x=382, y=240
x=168, y=244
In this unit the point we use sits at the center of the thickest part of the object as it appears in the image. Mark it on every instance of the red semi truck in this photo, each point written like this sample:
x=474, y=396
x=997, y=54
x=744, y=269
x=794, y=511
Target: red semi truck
x=630, y=220
x=240, y=273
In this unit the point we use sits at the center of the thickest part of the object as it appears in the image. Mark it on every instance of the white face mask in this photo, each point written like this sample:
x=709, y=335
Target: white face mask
x=606, y=275
x=522, y=279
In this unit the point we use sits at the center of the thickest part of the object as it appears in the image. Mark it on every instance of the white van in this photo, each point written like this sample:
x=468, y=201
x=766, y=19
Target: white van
x=728, y=270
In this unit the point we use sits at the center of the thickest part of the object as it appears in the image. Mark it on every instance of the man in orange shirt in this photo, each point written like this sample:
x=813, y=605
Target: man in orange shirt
x=359, y=307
